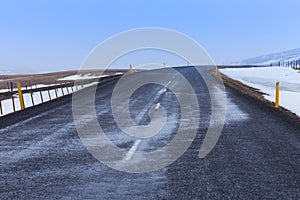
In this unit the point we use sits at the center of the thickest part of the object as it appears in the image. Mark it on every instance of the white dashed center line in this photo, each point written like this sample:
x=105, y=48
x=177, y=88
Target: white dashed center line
x=132, y=149
x=157, y=106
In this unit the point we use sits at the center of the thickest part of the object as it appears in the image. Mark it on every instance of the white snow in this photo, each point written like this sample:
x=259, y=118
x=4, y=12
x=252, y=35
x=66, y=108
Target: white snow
x=265, y=78
x=80, y=77
x=4, y=90
x=41, y=86
x=234, y=113
x=73, y=77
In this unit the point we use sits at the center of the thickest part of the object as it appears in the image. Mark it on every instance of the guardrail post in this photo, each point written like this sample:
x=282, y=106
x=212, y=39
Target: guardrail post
x=42, y=99
x=21, y=99
x=11, y=86
x=13, y=102
x=55, y=90
x=62, y=91
x=49, y=95
x=72, y=87
x=1, y=111
x=67, y=88
x=7, y=86
x=277, y=95
x=31, y=95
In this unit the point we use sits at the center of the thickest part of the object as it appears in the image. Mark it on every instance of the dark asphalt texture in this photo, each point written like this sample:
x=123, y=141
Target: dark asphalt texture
x=256, y=157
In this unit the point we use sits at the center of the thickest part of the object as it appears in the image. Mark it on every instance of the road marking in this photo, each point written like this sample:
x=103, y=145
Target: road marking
x=132, y=149
x=157, y=106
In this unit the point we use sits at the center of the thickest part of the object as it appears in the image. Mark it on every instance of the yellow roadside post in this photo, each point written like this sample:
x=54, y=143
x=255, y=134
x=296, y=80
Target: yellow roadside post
x=277, y=95
x=22, y=105
x=216, y=71
x=130, y=69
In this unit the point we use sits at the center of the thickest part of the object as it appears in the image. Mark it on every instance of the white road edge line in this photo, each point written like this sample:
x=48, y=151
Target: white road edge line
x=132, y=149
x=157, y=106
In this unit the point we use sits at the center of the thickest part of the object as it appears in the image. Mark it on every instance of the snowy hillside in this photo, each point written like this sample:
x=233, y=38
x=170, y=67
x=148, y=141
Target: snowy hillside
x=291, y=56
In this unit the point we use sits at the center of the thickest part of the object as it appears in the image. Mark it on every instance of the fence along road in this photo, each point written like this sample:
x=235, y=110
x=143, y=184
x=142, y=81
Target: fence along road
x=34, y=95
x=257, y=155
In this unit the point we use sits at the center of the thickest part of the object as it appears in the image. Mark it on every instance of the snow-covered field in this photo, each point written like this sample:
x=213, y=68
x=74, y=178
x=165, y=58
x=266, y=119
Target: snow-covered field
x=85, y=77
x=265, y=78
x=80, y=77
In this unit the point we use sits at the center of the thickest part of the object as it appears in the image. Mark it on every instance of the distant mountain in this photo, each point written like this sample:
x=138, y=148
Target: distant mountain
x=290, y=57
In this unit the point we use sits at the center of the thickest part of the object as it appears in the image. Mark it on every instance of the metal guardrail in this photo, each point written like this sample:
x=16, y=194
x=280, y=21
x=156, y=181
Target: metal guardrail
x=16, y=96
x=59, y=90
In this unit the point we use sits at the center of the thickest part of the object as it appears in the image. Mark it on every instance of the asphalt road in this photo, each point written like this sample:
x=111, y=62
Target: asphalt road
x=257, y=155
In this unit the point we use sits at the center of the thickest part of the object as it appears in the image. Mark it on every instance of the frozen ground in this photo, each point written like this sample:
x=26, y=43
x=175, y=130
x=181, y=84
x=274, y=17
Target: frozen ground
x=265, y=78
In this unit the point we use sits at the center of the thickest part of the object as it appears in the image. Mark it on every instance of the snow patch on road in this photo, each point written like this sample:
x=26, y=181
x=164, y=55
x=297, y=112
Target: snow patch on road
x=234, y=113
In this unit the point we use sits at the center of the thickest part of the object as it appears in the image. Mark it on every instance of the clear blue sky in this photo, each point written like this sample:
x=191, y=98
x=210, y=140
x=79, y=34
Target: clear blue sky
x=48, y=35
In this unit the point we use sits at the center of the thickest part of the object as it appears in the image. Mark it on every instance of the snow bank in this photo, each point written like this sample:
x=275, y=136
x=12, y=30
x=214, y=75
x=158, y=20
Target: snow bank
x=265, y=78
x=80, y=77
